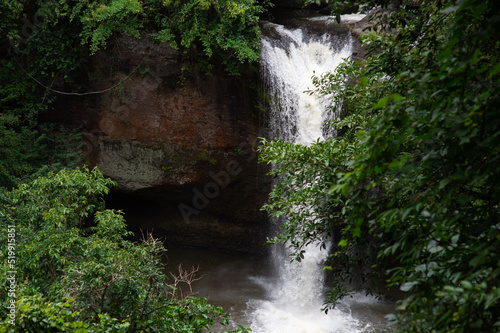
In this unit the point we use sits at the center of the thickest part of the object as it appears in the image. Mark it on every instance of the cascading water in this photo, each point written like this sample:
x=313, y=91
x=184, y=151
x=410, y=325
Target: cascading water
x=288, y=63
x=289, y=60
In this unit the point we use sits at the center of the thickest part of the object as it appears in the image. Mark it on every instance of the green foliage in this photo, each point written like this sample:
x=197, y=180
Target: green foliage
x=40, y=315
x=226, y=29
x=101, y=19
x=416, y=191
x=27, y=148
x=76, y=271
x=38, y=51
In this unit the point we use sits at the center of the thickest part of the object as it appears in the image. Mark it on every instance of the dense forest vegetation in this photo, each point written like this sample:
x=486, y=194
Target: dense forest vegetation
x=69, y=267
x=67, y=264
x=410, y=187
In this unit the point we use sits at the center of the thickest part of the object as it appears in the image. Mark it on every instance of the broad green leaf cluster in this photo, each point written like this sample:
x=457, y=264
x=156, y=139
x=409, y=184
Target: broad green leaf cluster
x=227, y=30
x=410, y=187
x=75, y=270
x=224, y=31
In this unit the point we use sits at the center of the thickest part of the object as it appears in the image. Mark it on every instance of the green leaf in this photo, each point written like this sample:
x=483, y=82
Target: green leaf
x=343, y=243
x=407, y=286
x=363, y=81
x=397, y=97
x=495, y=70
x=466, y=284
x=381, y=103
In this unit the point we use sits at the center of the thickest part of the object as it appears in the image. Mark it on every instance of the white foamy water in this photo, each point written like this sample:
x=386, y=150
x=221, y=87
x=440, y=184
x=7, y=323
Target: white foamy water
x=250, y=289
x=288, y=65
x=295, y=301
x=351, y=18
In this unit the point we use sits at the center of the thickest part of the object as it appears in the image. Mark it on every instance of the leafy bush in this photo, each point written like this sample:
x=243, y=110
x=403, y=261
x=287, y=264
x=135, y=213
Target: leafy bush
x=75, y=270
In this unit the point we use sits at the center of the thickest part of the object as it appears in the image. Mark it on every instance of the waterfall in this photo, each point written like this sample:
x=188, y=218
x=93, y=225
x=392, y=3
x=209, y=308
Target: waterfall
x=287, y=66
x=289, y=60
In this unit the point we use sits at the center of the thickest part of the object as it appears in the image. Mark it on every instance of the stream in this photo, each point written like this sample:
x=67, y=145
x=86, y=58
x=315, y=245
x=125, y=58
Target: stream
x=241, y=284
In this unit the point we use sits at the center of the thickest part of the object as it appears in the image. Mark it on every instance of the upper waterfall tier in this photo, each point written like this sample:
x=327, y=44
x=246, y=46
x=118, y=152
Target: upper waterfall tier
x=290, y=58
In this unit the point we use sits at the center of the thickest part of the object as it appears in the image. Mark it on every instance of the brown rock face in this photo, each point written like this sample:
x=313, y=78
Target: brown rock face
x=183, y=154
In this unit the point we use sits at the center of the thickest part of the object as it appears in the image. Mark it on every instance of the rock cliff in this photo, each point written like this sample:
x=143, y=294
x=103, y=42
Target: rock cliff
x=180, y=147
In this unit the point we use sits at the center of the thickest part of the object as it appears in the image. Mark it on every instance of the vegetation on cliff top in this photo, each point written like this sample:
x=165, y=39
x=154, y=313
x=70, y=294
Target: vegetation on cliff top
x=225, y=30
